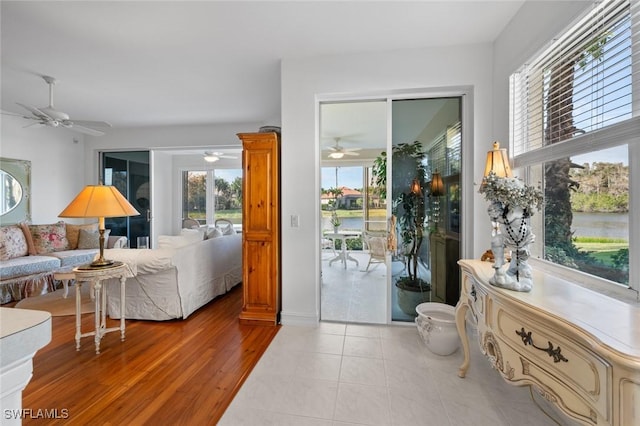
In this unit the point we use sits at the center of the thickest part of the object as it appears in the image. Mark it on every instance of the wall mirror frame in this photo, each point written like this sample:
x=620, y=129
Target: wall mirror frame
x=15, y=205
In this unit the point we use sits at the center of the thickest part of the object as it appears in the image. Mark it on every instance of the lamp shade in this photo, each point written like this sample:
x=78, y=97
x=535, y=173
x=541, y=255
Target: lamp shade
x=99, y=201
x=437, y=186
x=498, y=162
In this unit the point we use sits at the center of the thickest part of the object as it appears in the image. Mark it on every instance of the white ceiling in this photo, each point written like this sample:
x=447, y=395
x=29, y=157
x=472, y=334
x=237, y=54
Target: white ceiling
x=152, y=63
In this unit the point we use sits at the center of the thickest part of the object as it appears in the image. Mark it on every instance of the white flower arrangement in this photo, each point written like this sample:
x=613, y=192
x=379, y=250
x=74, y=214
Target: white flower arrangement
x=512, y=192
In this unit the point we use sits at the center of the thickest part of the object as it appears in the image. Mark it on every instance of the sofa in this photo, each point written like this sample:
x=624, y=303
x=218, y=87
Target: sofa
x=182, y=274
x=31, y=254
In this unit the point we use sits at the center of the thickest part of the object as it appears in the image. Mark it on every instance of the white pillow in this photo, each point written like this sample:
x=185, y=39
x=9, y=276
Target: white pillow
x=196, y=234
x=213, y=232
x=173, y=241
x=227, y=230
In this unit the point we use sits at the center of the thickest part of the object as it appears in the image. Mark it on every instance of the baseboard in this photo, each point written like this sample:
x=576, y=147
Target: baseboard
x=299, y=319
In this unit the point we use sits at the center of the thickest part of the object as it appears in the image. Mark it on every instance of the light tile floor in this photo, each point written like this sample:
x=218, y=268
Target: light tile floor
x=352, y=294
x=347, y=374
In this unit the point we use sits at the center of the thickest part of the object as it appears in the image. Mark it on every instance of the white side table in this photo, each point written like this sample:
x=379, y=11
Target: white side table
x=95, y=276
x=343, y=236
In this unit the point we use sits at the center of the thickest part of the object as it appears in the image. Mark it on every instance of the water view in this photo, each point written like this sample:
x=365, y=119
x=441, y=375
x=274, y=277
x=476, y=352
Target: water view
x=605, y=225
x=609, y=225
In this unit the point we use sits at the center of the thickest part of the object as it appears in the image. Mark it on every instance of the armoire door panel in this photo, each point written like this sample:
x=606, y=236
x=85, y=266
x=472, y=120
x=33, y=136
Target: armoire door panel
x=259, y=202
x=259, y=265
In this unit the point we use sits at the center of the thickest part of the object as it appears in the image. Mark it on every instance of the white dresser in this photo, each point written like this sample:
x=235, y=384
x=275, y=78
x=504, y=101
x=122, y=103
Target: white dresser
x=579, y=349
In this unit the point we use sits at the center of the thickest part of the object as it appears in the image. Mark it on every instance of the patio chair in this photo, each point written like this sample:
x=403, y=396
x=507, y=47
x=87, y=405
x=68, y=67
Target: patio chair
x=225, y=226
x=376, y=244
x=328, y=243
x=189, y=223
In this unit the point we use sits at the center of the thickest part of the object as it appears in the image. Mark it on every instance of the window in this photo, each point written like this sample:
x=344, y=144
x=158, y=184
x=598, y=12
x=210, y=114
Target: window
x=206, y=202
x=574, y=129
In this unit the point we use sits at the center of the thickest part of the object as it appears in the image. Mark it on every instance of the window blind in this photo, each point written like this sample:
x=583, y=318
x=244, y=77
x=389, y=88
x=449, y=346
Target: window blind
x=583, y=82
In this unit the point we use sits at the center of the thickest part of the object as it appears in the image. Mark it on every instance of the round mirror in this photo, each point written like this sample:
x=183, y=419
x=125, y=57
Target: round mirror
x=11, y=191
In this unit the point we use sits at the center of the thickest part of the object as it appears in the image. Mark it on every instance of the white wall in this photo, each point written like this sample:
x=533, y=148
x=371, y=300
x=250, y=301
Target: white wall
x=57, y=171
x=306, y=78
x=162, y=206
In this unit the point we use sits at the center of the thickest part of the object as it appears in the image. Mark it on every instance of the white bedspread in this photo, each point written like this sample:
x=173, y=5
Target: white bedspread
x=173, y=283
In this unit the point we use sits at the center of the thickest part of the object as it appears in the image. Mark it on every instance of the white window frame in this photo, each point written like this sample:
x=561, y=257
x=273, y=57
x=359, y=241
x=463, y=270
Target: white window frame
x=625, y=132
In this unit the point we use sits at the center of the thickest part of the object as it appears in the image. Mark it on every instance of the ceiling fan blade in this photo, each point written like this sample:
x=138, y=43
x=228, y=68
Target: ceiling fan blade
x=352, y=149
x=85, y=130
x=350, y=153
x=35, y=111
x=229, y=157
x=88, y=123
x=15, y=114
x=332, y=148
x=37, y=124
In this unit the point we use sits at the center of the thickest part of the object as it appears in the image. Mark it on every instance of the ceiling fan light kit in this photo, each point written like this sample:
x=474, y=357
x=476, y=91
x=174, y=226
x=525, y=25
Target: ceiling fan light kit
x=338, y=151
x=212, y=157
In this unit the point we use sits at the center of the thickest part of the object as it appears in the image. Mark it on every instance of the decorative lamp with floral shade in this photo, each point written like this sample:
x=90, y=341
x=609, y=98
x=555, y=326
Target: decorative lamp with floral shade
x=511, y=205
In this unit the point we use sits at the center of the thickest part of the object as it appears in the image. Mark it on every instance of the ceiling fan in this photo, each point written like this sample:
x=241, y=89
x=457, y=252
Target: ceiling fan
x=338, y=151
x=49, y=116
x=212, y=157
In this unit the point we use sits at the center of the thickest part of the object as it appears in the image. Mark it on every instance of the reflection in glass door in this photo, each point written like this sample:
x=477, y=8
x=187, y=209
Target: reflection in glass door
x=129, y=172
x=426, y=147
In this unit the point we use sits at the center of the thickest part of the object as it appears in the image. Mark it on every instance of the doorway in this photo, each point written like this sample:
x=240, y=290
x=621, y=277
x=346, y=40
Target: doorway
x=129, y=172
x=368, y=202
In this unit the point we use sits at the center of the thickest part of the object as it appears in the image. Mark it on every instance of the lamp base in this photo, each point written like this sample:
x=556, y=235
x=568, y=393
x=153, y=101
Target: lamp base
x=100, y=265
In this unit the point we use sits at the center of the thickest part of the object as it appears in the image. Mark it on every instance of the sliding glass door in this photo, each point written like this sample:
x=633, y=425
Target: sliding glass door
x=129, y=172
x=390, y=206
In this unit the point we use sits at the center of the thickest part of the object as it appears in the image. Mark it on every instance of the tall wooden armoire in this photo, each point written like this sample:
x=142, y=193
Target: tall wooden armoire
x=260, y=228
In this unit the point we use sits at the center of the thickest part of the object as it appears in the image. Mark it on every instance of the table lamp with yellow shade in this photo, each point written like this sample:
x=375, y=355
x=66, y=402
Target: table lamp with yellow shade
x=99, y=201
x=497, y=162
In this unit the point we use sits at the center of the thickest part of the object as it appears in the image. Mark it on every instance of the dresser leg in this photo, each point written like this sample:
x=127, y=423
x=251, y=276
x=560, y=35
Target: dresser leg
x=461, y=315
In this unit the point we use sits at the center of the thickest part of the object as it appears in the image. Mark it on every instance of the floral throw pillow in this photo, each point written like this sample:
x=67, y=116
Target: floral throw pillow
x=49, y=238
x=12, y=242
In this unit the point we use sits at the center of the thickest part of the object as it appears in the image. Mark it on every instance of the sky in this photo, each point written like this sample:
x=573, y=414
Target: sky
x=618, y=154
x=228, y=174
x=351, y=177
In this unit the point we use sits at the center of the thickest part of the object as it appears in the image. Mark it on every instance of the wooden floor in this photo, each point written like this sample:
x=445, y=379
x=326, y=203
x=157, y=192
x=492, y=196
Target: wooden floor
x=169, y=372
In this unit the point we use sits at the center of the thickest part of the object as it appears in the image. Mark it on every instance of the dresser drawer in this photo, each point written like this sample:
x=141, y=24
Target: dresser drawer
x=556, y=357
